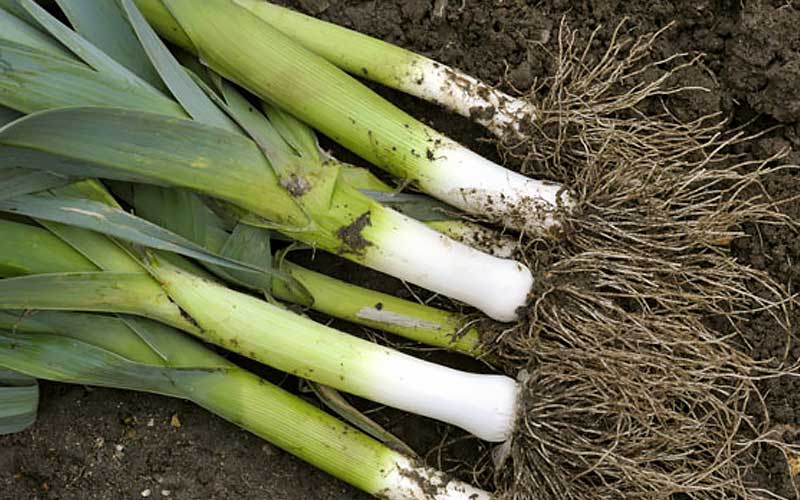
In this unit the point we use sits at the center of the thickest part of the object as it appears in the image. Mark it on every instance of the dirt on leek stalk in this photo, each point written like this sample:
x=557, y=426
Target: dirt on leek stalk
x=752, y=68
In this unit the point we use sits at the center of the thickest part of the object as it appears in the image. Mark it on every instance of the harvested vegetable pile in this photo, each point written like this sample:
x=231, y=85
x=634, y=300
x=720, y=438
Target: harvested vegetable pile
x=156, y=196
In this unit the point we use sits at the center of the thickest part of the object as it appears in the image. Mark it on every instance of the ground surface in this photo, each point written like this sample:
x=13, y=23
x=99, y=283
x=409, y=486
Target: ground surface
x=104, y=444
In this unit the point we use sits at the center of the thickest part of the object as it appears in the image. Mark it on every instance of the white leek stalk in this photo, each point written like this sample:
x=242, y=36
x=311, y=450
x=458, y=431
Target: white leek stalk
x=400, y=69
x=418, y=254
x=485, y=405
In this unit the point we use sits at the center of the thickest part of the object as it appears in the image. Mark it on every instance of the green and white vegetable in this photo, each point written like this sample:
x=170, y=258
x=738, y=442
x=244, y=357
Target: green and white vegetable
x=184, y=213
x=247, y=50
x=133, y=353
x=400, y=69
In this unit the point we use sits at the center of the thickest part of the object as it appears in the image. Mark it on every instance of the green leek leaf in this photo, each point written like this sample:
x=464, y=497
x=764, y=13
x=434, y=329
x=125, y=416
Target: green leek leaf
x=250, y=244
x=19, y=400
x=15, y=182
x=144, y=147
x=299, y=135
x=13, y=7
x=416, y=206
x=55, y=357
x=334, y=400
x=99, y=217
x=138, y=339
x=41, y=81
x=87, y=52
x=104, y=24
x=87, y=291
x=185, y=90
x=17, y=31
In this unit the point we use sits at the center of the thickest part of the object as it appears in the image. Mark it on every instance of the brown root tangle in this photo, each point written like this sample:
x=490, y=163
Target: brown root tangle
x=636, y=382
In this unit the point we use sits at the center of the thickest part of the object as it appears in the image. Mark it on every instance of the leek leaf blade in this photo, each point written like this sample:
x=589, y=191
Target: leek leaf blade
x=143, y=147
x=19, y=401
x=104, y=24
x=416, y=206
x=16, y=182
x=14, y=29
x=182, y=86
x=65, y=359
x=296, y=133
x=37, y=81
x=117, y=223
x=79, y=46
x=83, y=291
x=250, y=244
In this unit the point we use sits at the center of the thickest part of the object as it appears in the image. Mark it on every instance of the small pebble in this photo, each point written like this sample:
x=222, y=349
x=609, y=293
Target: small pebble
x=151, y=422
x=165, y=493
x=119, y=447
x=146, y=493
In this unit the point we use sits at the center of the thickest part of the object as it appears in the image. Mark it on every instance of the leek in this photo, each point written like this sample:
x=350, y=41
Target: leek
x=19, y=398
x=401, y=69
x=130, y=353
x=249, y=51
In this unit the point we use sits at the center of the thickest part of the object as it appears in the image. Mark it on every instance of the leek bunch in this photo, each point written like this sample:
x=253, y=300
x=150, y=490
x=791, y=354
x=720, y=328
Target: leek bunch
x=614, y=363
x=226, y=151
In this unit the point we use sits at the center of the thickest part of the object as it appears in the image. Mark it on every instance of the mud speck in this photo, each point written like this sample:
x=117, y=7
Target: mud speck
x=296, y=185
x=352, y=237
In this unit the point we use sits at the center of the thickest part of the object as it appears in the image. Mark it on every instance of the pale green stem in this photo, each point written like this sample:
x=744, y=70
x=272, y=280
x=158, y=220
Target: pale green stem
x=381, y=311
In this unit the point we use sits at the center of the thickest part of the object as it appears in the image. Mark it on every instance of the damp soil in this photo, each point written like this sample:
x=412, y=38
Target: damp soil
x=107, y=444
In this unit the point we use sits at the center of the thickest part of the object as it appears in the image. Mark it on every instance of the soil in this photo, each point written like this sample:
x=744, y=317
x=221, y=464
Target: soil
x=106, y=444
